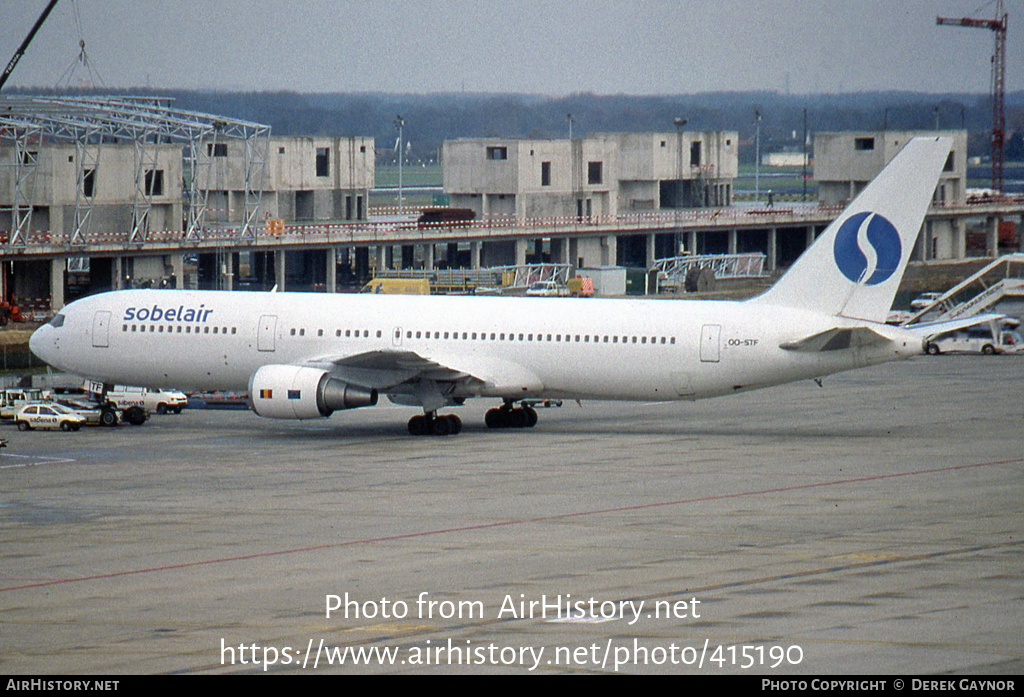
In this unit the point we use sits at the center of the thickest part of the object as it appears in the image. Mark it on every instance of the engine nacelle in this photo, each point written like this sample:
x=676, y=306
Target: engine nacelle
x=299, y=392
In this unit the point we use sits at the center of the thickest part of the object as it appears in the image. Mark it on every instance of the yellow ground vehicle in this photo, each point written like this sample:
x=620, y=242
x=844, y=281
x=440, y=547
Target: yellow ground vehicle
x=398, y=286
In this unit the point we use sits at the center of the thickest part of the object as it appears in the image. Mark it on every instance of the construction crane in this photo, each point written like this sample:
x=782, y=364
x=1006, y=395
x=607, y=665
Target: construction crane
x=997, y=25
x=24, y=44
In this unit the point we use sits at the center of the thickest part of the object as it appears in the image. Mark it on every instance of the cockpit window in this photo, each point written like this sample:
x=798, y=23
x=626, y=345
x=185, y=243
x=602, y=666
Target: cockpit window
x=57, y=321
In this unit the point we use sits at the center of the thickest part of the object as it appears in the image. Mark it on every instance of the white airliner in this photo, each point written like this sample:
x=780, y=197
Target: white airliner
x=303, y=356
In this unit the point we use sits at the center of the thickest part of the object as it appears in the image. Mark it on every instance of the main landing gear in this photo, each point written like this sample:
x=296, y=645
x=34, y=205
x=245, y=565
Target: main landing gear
x=430, y=424
x=507, y=416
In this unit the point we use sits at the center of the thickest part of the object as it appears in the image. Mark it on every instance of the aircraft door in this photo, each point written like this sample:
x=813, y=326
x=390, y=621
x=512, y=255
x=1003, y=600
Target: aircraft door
x=267, y=332
x=396, y=337
x=101, y=329
x=710, y=336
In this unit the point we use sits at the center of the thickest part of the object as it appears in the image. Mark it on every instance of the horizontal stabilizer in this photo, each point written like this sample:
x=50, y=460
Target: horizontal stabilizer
x=929, y=329
x=837, y=339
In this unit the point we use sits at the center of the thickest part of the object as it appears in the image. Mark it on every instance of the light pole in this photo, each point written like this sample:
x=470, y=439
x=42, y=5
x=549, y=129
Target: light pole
x=679, y=122
x=757, y=156
x=400, y=124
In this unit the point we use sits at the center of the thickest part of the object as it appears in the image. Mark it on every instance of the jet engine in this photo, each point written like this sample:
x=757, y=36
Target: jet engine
x=300, y=392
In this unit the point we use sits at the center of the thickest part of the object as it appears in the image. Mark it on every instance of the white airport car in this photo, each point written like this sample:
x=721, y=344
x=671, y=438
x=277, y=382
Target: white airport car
x=546, y=289
x=48, y=416
x=924, y=300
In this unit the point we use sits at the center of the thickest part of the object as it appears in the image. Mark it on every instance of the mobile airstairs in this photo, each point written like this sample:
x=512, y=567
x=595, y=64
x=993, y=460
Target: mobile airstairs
x=1003, y=278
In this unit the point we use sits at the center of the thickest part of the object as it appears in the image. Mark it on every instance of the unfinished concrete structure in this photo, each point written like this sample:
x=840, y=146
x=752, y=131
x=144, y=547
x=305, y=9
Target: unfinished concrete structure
x=306, y=179
x=604, y=174
x=81, y=189
x=845, y=162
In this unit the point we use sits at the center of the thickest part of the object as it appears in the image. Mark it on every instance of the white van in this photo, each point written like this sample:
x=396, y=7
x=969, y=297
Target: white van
x=160, y=401
x=980, y=339
x=138, y=402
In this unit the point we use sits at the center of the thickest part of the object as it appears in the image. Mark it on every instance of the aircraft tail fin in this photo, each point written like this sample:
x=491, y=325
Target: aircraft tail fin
x=855, y=266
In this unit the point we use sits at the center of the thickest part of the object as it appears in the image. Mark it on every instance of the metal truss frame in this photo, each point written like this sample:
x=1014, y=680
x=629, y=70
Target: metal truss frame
x=675, y=269
x=145, y=122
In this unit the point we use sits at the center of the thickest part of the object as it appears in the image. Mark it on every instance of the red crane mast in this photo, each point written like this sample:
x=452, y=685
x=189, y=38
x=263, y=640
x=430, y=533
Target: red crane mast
x=998, y=26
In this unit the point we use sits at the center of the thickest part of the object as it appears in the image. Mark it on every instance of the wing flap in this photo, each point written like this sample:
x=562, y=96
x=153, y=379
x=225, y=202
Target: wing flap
x=385, y=370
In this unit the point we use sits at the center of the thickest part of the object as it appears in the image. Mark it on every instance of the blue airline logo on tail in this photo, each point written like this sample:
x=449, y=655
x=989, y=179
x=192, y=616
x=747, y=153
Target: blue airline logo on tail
x=883, y=239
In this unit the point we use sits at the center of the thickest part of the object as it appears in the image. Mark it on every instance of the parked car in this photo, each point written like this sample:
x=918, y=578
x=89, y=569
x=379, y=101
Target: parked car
x=48, y=416
x=546, y=289
x=924, y=300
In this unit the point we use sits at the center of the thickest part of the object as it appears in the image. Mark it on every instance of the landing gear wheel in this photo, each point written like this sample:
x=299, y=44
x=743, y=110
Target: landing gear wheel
x=433, y=425
x=507, y=417
x=932, y=349
x=418, y=426
x=531, y=417
x=442, y=426
x=496, y=418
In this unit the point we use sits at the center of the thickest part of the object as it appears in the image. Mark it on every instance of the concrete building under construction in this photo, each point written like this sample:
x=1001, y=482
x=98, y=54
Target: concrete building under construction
x=604, y=174
x=844, y=163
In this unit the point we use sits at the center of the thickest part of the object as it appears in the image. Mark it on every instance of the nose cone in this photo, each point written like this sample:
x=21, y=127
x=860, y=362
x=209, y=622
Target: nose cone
x=42, y=343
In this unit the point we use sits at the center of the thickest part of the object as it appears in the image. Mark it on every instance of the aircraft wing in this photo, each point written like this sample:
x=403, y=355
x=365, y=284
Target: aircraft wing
x=836, y=339
x=386, y=370
x=930, y=329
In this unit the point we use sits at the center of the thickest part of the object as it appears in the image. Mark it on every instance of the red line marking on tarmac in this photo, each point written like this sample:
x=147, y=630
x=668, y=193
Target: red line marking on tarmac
x=506, y=523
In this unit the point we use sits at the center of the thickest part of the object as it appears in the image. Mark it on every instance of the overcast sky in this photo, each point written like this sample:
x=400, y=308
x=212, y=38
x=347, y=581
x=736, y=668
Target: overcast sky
x=550, y=47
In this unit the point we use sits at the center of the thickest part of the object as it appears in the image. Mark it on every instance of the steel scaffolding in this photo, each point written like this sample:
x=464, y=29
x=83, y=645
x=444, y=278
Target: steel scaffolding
x=88, y=122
